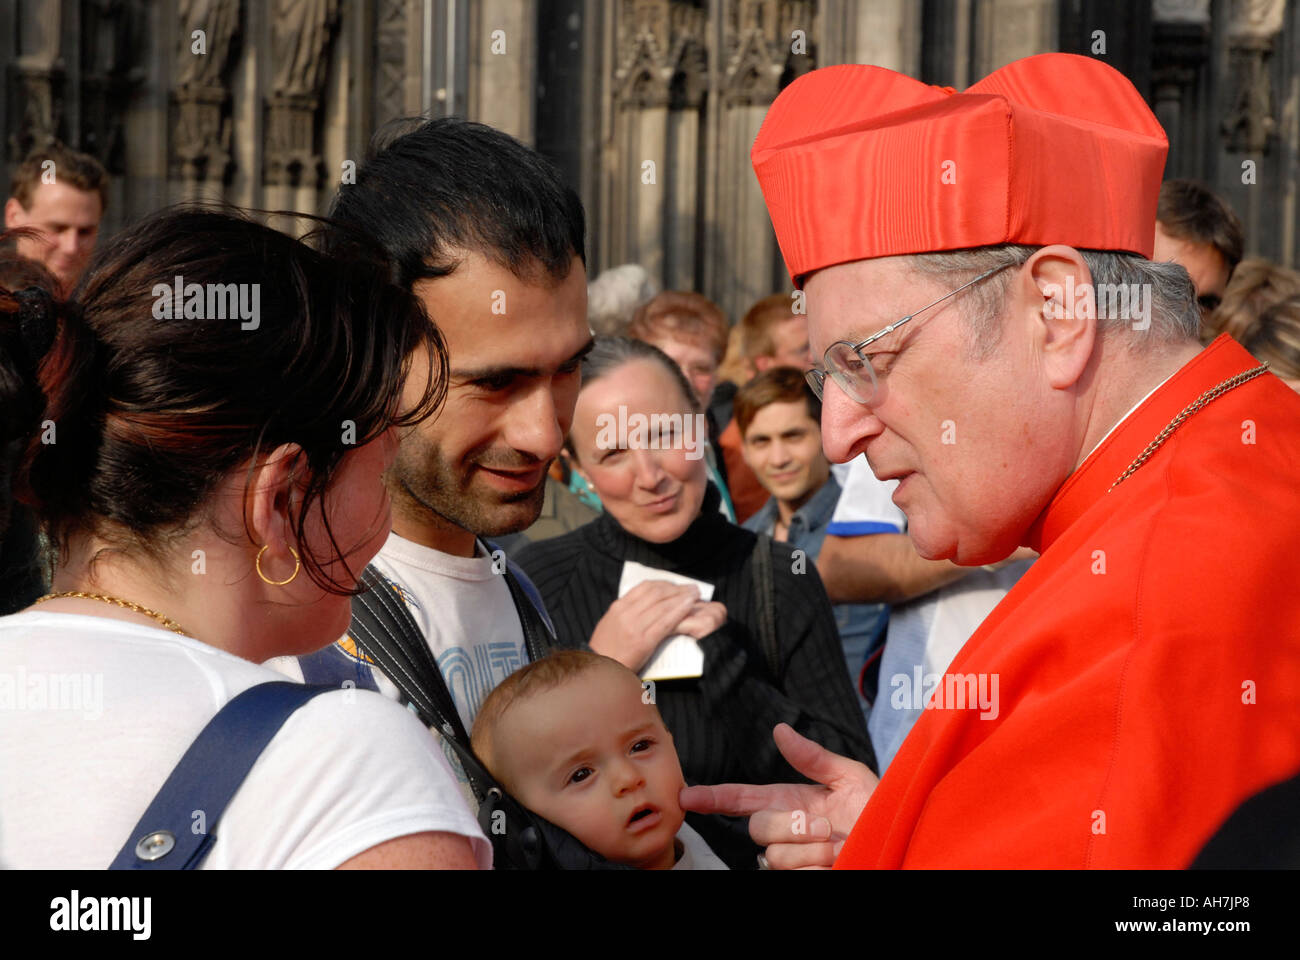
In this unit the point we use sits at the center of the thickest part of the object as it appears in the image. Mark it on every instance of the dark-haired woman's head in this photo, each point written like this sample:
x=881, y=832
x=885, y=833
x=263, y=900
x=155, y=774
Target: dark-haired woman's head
x=217, y=373
x=638, y=438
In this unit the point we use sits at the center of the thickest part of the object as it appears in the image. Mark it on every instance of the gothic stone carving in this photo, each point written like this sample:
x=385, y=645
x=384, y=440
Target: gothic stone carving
x=201, y=131
x=689, y=57
x=643, y=76
x=302, y=31
x=663, y=55
x=36, y=103
x=35, y=80
x=1250, y=122
x=1181, y=48
x=760, y=55
x=110, y=31
x=390, y=60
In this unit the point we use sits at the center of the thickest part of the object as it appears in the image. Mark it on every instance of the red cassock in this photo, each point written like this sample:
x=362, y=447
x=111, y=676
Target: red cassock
x=1148, y=665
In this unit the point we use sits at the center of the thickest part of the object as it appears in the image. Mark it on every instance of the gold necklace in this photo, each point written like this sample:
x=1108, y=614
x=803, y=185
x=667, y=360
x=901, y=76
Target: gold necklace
x=1212, y=394
x=167, y=622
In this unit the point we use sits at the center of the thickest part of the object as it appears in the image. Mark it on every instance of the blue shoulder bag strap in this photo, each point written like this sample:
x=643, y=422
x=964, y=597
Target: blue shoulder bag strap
x=207, y=777
x=333, y=667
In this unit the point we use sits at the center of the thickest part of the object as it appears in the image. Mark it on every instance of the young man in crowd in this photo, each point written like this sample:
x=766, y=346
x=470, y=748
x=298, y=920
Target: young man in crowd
x=779, y=418
x=770, y=335
x=455, y=205
x=1196, y=229
x=61, y=195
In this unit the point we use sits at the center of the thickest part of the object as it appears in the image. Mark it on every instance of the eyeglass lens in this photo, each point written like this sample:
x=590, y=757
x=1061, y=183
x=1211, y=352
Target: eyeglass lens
x=853, y=374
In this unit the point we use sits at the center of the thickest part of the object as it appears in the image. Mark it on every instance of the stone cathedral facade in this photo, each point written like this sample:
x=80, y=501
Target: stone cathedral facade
x=648, y=106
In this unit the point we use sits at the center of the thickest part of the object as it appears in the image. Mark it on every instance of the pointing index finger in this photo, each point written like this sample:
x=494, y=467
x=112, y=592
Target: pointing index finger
x=731, y=799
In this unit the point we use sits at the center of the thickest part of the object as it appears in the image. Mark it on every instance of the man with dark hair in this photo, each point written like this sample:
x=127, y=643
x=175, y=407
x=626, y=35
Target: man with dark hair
x=491, y=239
x=779, y=419
x=61, y=195
x=1197, y=230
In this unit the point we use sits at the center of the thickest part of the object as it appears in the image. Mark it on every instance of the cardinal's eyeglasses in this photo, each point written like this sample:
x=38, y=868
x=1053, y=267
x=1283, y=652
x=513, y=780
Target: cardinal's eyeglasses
x=851, y=369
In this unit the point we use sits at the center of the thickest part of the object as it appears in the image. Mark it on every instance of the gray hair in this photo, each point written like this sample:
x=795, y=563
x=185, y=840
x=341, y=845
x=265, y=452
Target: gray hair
x=614, y=296
x=1165, y=288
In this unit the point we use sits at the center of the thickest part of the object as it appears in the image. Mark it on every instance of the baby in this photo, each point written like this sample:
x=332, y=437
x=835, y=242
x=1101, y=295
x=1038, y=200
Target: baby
x=576, y=740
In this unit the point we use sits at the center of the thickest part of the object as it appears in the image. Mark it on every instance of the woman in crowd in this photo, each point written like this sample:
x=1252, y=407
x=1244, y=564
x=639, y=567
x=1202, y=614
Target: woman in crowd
x=205, y=431
x=661, y=513
x=20, y=550
x=1261, y=311
x=692, y=330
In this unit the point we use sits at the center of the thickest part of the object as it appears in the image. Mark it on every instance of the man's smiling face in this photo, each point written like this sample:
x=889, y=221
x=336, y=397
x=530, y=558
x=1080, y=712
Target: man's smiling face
x=514, y=351
x=67, y=224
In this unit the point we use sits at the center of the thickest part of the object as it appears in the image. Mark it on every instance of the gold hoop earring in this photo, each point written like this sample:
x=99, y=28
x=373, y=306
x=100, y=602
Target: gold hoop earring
x=297, y=565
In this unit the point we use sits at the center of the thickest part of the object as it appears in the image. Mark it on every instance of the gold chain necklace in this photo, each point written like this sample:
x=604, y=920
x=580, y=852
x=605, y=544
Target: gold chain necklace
x=167, y=622
x=1212, y=394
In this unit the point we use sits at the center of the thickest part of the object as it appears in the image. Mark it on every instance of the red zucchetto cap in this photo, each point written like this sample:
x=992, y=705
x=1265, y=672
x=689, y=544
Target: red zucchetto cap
x=857, y=162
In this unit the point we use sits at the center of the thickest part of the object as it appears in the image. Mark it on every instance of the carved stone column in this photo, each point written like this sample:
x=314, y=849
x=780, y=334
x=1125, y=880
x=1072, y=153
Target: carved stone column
x=36, y=79
x=1180, y=55
x=301, y=34
x=503, y=65
x=112, y=40
x=393, y=29
x=767, y=44
x=1250, y=131
x=1253, y=26
x=201, y=127
x=689, y=60
x=886, y=33
x=642, y=83
x=1006, y=30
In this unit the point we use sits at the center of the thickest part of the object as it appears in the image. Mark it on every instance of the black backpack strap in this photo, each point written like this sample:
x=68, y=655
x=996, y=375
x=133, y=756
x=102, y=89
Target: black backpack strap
x=385, y=631
x=764, y=587
x=383, y=628
x=538, y=637
x=539, y=632
x=207, y=777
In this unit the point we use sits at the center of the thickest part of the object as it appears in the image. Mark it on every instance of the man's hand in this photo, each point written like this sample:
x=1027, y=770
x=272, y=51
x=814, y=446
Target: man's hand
x=637, y=622
x=801, y=825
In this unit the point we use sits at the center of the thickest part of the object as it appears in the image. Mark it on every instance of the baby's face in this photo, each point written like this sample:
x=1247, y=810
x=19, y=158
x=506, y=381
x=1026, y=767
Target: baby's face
x=590, y=756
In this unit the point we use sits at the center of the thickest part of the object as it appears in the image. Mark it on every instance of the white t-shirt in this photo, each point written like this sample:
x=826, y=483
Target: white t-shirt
x=696, y=854
x=463, y=607
x=925, y=633
x=95, y=713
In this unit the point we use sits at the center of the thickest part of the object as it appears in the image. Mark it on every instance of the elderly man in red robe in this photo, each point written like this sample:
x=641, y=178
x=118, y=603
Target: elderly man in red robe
x=993, y=335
